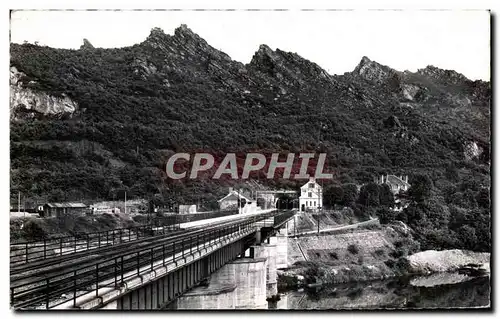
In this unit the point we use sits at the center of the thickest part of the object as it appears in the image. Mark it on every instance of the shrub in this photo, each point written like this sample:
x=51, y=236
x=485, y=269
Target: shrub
x=33, y=231
x=380, y=252
x=353, y=249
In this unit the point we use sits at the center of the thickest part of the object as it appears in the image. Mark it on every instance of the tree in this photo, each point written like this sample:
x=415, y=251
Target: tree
x=467, y=237
x=333, y=195
x=386, y=197
x=369, y=195
x=420, y=188
x=386, y=216
x=483, y=198
x=350, y=192
x=451, y=173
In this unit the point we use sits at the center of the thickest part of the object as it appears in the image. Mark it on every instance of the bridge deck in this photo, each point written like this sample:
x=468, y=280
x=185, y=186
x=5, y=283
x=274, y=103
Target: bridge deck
x=29, y=288
x=213, y=221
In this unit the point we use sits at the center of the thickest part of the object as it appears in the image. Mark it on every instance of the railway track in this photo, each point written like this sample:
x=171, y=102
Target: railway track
x=25, y=252
x=58, y=262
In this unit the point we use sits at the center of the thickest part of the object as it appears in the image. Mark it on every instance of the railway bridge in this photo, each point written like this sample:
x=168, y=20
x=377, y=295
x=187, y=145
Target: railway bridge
x=219, y=263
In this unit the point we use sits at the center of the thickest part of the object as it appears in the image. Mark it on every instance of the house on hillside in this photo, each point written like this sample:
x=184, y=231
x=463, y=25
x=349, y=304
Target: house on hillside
x=232, y=199
x=396, y=183
x=311, y=196
x=61, y=209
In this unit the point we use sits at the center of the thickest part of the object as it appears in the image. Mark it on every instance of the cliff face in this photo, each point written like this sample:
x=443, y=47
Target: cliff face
x=173, y=93
x=28, y=104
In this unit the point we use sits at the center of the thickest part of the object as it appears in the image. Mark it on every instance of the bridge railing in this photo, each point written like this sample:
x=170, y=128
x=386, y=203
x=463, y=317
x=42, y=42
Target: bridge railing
x=43, y=292
x=29, y=251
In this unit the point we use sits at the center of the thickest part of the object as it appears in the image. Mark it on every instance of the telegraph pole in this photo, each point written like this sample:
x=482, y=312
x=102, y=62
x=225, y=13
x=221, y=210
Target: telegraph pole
x=239, y=201
x=318, y=223
x=19, y=202
x=125, y=202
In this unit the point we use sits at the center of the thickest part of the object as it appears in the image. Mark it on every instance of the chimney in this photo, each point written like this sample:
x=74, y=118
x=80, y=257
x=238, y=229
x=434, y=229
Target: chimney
x=406, y=178
x=311, y=179
x=230, y=189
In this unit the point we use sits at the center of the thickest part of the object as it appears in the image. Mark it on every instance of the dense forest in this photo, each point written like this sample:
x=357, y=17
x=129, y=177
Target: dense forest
x=138, y=105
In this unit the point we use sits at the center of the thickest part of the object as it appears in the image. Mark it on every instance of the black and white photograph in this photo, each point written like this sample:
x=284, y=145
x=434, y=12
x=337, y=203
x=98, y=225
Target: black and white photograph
x=231, y=159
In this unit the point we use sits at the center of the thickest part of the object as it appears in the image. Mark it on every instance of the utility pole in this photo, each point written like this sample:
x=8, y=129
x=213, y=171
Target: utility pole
x=18, y=202
x=294, y=226
x=125, y=202
x=239, y=201
x=318, y=224
x=320, y=202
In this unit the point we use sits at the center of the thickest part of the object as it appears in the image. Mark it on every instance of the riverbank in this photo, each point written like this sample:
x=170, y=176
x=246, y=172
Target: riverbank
x=432, y=267
x=395, y=293
x=371, y=252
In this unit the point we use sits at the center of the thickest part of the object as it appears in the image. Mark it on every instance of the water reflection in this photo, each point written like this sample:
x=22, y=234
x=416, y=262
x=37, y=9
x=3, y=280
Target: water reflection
x=397, y=293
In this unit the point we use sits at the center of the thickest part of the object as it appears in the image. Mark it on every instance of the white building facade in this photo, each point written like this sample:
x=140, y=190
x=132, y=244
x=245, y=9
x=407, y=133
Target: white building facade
x=311, y=196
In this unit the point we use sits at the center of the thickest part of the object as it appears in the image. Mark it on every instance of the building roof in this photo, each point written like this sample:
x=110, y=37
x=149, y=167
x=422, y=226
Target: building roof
x=66, y=205
x=236, y=194
x=311, y=180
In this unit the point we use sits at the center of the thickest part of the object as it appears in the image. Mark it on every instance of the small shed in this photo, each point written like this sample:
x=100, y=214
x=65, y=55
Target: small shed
x=61, y=209
x=232, y=199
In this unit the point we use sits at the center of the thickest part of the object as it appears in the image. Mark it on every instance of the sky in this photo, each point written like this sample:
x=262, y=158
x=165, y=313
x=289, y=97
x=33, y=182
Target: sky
x=335, y=40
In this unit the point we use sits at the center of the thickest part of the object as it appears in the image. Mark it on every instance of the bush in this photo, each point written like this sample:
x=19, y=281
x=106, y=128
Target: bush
x=33, y=231
x=353, y=249
x=397, y=253
x=380, y=252
x=386, y=215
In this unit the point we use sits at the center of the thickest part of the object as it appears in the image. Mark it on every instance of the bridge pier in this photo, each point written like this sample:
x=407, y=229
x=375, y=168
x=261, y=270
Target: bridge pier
x=245, y=283
x=269, y=251
x=281, y=243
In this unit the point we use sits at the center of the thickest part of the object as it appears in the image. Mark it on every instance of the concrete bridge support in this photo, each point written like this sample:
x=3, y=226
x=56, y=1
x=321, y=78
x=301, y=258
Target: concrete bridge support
x=240, y=284
x=268, y=251
x=281, y=242
x=245, y=283
x=212, y=297
x=250, y=279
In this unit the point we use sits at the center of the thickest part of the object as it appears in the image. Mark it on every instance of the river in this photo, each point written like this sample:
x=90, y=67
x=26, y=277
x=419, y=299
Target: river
x=386, y=294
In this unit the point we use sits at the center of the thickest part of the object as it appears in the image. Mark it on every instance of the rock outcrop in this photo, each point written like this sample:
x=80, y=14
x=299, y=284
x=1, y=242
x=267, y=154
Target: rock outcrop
x=86, y=45
x=28, y=103
x=430, y=261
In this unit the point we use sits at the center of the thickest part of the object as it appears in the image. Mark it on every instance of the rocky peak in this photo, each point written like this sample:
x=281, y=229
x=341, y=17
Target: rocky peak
x=264, y=50
x=156, y=36
x=187, y=37
x=287, y=66
x=448, y=76
x=365, y=60
x=184, y=31
x=375, y=72
x=184, y=45
x=86, y=45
